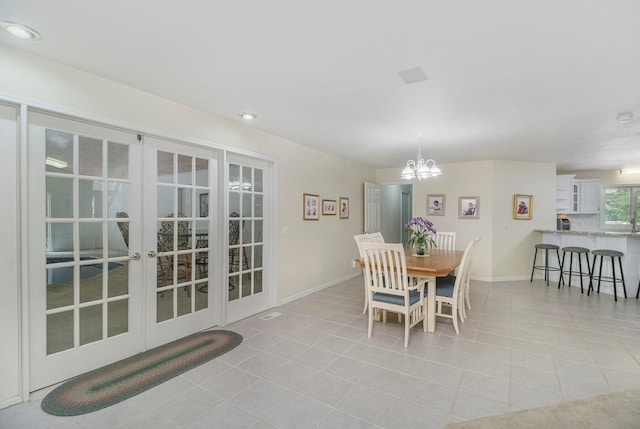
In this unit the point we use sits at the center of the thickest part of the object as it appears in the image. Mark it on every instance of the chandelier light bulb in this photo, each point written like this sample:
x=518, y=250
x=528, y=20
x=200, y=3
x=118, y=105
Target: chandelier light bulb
x=420, y=168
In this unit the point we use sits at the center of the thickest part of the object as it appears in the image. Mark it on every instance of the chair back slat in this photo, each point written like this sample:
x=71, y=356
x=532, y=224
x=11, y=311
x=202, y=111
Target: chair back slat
x=362, y=238
x=376, y=237
x=386, y=267
x=445, y=240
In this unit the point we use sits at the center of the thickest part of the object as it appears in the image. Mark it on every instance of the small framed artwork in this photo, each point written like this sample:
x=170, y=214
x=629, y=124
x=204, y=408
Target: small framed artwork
x=522, y=206
x=344, y=207
x=204, y=205
x=468, y=207
x=329, y=207
x=435, y=205
x=310, y=207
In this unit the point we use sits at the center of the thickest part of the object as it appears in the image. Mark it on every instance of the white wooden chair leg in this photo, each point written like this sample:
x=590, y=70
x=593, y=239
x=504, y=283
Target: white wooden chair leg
x=406, y=331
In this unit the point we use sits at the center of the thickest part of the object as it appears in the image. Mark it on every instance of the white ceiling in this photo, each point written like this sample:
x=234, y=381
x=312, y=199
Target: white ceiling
x=507, y=80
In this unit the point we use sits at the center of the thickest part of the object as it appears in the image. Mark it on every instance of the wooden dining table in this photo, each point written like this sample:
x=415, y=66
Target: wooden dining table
x=434, y=263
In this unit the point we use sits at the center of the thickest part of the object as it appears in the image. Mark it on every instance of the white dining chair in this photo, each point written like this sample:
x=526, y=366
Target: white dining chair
x=448, y=294
x=376, y=237
x=467, y=300
x=464, y=293
x=363, y=238
x=388, y=287
x=445, y=240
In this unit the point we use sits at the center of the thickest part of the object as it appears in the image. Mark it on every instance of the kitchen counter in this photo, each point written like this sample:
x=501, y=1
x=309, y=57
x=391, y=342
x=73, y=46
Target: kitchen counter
x=625, y=242
x=595, y=233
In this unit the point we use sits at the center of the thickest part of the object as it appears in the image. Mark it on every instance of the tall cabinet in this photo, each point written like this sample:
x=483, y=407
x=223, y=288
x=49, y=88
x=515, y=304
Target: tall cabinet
x=564, y=193
x=577, y=196
x=586, y=196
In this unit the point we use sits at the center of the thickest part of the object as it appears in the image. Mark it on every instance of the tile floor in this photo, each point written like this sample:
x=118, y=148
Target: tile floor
x=523, y=345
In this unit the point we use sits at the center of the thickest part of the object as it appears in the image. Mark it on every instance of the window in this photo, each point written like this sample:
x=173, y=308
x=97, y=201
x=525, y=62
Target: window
x=620, y=206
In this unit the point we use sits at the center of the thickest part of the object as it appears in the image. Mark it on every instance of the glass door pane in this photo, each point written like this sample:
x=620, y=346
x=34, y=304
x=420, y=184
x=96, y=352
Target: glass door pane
x=183, y=235
x=245, y=188
x=86, y=255
x=183, y=285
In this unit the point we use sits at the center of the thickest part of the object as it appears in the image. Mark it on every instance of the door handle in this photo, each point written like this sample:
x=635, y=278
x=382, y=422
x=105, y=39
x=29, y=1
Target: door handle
x=135, y=256
x=151, y=253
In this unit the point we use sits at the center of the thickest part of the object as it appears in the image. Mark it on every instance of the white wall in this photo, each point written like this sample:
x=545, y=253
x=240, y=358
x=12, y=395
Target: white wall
x=506, y=242
x=10, y=302
x=514, y=240
x=312, y=255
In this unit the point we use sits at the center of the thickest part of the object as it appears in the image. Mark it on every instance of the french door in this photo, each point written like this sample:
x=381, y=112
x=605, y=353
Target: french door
x=249, y=198
x=180, y=219
x=121, y=242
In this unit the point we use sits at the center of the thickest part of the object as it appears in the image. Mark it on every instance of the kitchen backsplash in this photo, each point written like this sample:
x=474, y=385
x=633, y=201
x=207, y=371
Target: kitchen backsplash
x=584, y=222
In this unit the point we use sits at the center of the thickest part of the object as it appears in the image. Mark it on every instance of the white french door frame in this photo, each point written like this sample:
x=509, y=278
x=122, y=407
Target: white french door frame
x=234, y=311
x=158, y=333
x=28, y=104
x=80, y=357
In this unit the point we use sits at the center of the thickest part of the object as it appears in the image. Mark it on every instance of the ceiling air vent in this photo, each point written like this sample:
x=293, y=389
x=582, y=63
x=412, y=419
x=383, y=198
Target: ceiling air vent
x=413, y=75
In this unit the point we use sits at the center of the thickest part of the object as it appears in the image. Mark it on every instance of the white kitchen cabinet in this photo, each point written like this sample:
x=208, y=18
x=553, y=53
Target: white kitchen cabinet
x=564, y=193
x=585, y=196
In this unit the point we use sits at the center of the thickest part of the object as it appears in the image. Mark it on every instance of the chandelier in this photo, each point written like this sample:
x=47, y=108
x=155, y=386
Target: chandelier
x=420, y=168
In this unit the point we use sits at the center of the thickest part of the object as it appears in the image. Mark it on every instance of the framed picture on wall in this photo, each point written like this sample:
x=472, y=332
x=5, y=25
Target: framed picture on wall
x=344, y=208
x=468, y=207
x=435, y=205
x=329, y=207
x=310, y=207
x=522, y=206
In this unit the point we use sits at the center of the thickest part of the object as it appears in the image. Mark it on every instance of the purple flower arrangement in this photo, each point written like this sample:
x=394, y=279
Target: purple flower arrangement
x=421, y=232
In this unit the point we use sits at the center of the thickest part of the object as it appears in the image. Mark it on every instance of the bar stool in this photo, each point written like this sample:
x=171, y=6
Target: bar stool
x=546, y=267
x=579, y=251
x=610, y=254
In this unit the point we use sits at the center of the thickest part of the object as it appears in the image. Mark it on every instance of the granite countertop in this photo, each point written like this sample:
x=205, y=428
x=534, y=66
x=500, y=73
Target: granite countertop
x=603, y=233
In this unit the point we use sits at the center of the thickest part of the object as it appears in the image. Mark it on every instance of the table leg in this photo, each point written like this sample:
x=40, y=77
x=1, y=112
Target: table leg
x=431, y=304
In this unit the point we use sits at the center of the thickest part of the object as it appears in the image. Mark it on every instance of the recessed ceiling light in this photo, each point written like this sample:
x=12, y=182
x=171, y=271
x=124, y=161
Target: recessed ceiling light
x=629, y=170
x=248, y=116
x=19, y=30
x=625, y=117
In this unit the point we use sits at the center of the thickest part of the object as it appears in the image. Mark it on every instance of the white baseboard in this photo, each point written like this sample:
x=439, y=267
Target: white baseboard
x=502, y=279
x=11, y=401
x=319, y=288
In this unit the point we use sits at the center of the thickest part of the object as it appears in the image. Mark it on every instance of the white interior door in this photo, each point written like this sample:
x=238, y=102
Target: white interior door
x=113, y=270
x=181, y=240
x=250, y=249
x=85, y=289
x=371, y=207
